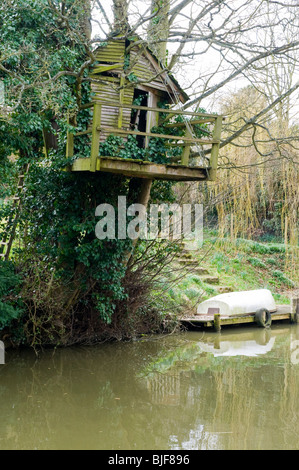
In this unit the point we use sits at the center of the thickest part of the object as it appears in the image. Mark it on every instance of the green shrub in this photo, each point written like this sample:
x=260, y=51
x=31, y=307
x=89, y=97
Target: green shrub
x=256, y=263
x=10, y=305
x=210, y=290
x=193, y=293
x=196, y=279
x=260, y=248
x=282, y=278
x=221, y=262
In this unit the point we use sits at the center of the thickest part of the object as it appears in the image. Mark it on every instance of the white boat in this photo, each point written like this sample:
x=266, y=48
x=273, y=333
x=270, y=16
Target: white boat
x=238, y=303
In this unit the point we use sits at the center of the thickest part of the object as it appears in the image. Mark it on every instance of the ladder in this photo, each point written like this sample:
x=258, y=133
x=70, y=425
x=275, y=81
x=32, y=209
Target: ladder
x=10, y=231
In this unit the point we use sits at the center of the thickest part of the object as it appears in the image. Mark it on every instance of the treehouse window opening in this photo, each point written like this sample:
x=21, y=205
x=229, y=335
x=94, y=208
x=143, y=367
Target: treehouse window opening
x=139, y=116
x=109, y=74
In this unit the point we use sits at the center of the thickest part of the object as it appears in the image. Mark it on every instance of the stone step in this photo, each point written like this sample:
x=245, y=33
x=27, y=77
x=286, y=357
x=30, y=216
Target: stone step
x=186, y=254
x=186, y=261
x=194, y=267
x=224, y=289
x=210, y=279
x=200, y=271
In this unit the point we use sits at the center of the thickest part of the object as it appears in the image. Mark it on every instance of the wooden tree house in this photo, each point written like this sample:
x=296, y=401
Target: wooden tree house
x=127, y=72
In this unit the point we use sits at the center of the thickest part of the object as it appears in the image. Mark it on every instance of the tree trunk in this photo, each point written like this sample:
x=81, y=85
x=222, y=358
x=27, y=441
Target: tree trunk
x=158, y=29
x=86, y=19
x=120, y=13
x=139, y=193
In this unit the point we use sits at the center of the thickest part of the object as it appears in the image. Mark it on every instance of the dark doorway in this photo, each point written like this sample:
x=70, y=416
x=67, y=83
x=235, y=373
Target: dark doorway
x=139, y=116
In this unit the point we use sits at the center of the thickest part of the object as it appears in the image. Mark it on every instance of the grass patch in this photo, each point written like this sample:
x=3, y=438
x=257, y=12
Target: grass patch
x=257, y=263
x=283, y=278
x=240, y=265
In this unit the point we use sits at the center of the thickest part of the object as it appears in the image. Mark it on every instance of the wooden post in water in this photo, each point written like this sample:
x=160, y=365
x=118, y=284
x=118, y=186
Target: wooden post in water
x=295, y=310
x=217, y=319
x=217, y=322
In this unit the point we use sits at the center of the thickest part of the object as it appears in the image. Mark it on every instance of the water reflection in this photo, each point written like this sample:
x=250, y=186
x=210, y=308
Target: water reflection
x=249, y=344
x=234, y=390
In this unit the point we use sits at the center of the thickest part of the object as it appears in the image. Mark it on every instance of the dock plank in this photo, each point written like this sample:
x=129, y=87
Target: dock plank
x=283, y=312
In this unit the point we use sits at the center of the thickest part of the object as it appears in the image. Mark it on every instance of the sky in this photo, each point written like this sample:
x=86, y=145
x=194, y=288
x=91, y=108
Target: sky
x=212, y=61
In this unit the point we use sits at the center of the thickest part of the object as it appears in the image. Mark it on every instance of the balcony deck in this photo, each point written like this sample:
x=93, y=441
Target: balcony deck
x=179, y=170
x=143, y=169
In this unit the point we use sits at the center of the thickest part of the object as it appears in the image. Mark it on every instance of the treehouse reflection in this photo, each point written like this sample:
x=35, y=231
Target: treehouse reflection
x=133, y=130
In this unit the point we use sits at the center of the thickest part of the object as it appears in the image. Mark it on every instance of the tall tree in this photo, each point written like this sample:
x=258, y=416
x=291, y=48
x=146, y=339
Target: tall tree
x=120, y=14
x=158, y=28
x=46, y=49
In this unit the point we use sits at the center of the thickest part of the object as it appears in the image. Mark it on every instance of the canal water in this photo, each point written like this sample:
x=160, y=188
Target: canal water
x=235, y=390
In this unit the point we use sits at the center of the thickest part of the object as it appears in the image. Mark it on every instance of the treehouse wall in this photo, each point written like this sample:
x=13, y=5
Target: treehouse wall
x=108, y=91
x=146, y=70
x=145, y=73
x=128, y=82
x=112, y=58
x=112, y=52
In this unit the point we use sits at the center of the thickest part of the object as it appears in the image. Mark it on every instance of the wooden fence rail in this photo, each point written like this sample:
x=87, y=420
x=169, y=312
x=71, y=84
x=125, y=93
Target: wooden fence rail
x=185, y=141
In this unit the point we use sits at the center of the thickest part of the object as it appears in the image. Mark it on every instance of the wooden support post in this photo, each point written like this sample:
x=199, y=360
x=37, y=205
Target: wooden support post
x=69, y=141
x=186, y=150
x=95, y=142
x=217, y=322
x=142, y=186
x=121, y=100
x=295, y=310
x=217, y=319
x=45, y=150
x=215, y=149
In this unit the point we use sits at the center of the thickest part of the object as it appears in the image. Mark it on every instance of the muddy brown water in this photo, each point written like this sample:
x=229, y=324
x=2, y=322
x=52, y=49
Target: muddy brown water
x=235, y=390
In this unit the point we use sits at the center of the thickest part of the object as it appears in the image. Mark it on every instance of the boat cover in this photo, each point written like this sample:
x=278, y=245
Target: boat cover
x=237, y=303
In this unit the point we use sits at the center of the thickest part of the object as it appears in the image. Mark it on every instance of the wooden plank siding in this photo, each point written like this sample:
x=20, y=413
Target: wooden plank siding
x=106, y=86
x=146, y=72
x=111, y=59
x=112, y=52
x=109, y=92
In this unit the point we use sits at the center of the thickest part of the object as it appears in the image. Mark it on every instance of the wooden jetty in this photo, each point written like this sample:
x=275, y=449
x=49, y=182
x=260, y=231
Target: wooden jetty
x=216, y=320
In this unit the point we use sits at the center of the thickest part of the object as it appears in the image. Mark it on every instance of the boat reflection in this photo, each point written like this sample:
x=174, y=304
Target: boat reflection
x=250, y=344
x=190, y=391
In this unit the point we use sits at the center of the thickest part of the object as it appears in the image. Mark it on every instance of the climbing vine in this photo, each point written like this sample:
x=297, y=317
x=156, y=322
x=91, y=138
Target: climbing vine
x=62, y=285
x=158, y=150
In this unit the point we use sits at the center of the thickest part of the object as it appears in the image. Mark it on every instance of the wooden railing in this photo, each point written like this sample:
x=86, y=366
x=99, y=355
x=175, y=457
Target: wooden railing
x=185, y=141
